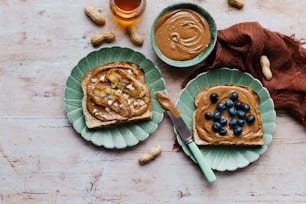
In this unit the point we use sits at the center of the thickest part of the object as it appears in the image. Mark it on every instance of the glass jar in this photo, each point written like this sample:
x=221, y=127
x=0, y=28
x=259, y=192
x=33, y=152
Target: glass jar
x=127, y=12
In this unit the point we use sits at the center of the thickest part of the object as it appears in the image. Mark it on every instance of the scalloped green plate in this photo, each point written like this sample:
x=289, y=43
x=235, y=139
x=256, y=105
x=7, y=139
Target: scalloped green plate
x=120, y=136
x=222, y=158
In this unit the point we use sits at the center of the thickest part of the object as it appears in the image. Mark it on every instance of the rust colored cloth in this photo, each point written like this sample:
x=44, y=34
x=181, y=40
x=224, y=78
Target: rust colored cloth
x=241, y=46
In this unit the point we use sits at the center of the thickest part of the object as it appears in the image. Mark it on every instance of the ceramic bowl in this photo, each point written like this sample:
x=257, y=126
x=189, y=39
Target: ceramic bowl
x=200, y=57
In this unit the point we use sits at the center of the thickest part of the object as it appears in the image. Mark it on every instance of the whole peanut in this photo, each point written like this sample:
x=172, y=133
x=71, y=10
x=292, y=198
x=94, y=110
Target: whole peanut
x=265, y=67
x=106, y=36
x=134, y=36
x=236, y=3
x=150, y=155
x=95, y=15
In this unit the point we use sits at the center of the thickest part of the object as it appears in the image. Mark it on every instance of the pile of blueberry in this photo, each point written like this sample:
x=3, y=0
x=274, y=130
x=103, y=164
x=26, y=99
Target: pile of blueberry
x=237, y=110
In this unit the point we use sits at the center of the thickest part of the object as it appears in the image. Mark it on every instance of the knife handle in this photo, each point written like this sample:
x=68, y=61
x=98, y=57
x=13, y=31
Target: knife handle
x=206, y=170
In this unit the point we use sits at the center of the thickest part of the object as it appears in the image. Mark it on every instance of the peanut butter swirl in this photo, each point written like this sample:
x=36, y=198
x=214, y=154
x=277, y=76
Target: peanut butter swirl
x=182, y=34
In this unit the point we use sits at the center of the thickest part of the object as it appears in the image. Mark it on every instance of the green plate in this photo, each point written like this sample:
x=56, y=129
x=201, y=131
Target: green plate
x=124, y=135
x=223, y=158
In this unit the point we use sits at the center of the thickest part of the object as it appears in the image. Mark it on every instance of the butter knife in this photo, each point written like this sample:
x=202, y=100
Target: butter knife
x=185, y=135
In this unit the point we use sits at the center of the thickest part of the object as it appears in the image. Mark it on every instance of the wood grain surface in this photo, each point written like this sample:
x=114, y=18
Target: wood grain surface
x=42, y=158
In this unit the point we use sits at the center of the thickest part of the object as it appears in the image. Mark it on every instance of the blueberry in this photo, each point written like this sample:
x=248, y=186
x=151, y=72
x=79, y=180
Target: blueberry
x=238, y=105
x=214, y=97
x=250, y=119
x=234, y=96
x=246, y=107
x=216, y=126
x=217, y=116
x=232, y=111
x=237, y=130
x=208, y=115
x=221, y=106
x=240, y=122
x=233, y=122
x=222, y=131
x=229, y=103
x=223, y=121
x=241, y=114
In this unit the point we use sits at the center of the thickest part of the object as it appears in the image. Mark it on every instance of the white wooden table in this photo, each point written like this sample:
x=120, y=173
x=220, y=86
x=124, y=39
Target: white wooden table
x=42, y=158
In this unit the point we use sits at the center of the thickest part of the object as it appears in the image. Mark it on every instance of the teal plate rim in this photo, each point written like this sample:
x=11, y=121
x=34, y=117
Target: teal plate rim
x=124, y=135
x=223, y=158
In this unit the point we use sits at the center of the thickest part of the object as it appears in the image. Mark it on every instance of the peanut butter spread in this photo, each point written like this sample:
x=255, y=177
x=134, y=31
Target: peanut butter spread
x=167, y=104
x=182, y=34
x=252, y=134
x=117, y=91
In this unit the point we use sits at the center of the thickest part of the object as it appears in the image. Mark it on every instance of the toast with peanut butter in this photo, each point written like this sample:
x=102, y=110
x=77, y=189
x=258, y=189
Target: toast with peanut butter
x=115, y=93
x=227, y=115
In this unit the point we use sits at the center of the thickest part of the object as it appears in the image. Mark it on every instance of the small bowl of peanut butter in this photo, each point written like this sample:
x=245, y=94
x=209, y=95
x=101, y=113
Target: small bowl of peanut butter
x=183, y=35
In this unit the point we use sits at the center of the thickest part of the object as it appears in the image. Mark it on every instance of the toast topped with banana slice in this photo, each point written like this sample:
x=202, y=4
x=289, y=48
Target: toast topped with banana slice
x=114, y=93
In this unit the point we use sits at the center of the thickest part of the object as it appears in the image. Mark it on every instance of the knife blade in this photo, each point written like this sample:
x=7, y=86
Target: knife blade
x=185, y=134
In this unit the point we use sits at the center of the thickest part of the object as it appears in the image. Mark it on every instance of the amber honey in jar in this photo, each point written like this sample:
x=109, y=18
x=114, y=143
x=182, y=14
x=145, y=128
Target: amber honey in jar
x=127, y=12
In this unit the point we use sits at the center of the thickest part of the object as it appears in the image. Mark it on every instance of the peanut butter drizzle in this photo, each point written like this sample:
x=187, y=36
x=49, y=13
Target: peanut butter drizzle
x=182, y=34
x=100, y=112
x=167, y=104
x=250, y=133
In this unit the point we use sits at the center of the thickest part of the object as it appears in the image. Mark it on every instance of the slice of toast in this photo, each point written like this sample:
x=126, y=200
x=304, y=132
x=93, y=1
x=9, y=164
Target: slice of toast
x=115, y=93
x=205, y=129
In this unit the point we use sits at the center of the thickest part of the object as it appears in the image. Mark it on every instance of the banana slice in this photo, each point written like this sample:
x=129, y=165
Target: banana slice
x=127, y=83
x=115, y=93
x=108, y=97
